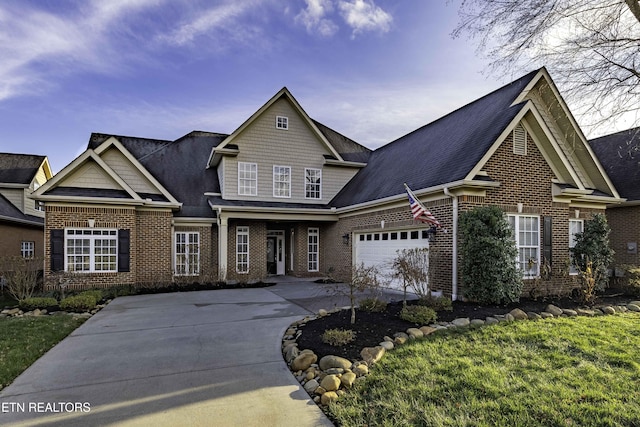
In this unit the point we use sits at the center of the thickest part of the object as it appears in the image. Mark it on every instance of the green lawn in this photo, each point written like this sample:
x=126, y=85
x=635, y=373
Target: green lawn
x=24, y=339
x=561, y=372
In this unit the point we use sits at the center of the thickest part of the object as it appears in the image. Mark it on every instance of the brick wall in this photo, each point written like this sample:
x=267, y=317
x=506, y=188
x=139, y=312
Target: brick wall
x=257, y=251
x=208, y=255
x=13, y=235
x=154, y=263
x=625, y=228
x=60, y=217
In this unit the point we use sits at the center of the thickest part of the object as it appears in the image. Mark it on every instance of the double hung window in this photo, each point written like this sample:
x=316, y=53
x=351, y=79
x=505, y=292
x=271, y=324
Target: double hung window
x=312, y=183
x=526, y=232
x=187, y=258
x=281, y=181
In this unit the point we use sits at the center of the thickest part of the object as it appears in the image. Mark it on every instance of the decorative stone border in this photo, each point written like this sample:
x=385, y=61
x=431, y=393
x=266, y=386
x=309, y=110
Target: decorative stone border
x=328, y=378
x=17, y=312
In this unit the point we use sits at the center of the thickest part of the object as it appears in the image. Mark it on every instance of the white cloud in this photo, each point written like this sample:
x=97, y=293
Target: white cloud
x=313, y=18
x=364, y=15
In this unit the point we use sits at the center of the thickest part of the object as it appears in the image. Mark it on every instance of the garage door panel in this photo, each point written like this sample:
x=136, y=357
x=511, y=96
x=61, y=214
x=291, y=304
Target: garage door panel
x=380, y=249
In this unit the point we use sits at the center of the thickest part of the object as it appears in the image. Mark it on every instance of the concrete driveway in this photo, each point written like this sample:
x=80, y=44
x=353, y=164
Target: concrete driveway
x=194, y=358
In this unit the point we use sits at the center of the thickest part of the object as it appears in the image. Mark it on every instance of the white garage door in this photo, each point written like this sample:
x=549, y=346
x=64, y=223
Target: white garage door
x=379, y=249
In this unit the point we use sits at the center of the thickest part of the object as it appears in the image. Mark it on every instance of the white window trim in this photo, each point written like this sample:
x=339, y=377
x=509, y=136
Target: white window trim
x=278, y=182
x=313, y=232
x=519, y=246
x=27, y=249
x=242, y=188
x=319, y=171
x=92, y=256
x=282, y=122
x=189, y=271
x=572, y=270
x=242, y=231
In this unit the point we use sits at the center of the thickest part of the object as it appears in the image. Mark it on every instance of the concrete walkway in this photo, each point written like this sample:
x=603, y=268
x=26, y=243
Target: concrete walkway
x=208, y=358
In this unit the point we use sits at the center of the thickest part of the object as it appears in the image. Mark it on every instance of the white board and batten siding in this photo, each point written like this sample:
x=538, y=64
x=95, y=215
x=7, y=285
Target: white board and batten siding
x=380, y=248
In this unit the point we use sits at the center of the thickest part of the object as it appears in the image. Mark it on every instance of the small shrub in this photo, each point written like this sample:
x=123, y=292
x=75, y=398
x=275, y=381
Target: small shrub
x=437, y=303
x=372, y=305
x=78, y=303
x=95, y=293
x=631, y=280
x=338, y=337
x=30, y=304
x=418, y=314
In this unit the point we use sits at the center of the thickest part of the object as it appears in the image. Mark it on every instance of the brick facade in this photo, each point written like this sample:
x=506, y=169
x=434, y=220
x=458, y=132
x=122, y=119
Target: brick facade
x=625, y=228
x=14, y=234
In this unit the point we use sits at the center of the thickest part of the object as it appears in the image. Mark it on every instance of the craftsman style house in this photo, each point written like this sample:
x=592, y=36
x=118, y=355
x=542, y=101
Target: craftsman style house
x=21, y=217
x=285, y=194
x=619, y=153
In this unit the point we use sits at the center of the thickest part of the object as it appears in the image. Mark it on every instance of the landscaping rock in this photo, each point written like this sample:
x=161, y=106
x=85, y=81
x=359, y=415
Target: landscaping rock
x=633, y=307
x=303, y=361
x=585, y=312
x=546, y=315
x=461, y=322
x=291, y=354
x=509, y=317
x=11, y=312
x=388, y=339
x=490, y=320
x=328, y=397
x=311, y=386
x=427, y=330
x=415, y=333
x=387, y=345
x=371, y=355
x=608, y=310
x=332, y=361
x=518, y=314
x=401, y=335
x=570, y=313
x=361, y=370
x=322, y=312
x=347, y=379
x=556, y=311
x=635, y=303
x=330, y=383
x=598, y=312
x=400, y=340
x=477, y=322
x=533, y=316
x=311, y=374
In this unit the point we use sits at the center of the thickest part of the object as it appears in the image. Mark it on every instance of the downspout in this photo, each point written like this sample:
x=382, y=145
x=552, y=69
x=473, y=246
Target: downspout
x=454, y=238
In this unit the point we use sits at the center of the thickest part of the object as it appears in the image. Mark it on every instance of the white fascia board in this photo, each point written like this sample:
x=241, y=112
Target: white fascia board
x=193, y=222
x=283, y=214
x=13, y=185
x=379, y=203
x=92, y=200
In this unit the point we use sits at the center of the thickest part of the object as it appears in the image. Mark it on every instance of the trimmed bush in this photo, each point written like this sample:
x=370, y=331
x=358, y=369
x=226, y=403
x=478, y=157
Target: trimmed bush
x=95, y=293
x=488, y=257
x=418, y=314
x=78, y=303
x=30, y=304
x=592, y=247
x=372, y=305
x=437, y=303
x=338, y=337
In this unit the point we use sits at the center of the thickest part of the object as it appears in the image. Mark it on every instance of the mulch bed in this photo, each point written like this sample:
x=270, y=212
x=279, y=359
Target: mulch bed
x=370, y=328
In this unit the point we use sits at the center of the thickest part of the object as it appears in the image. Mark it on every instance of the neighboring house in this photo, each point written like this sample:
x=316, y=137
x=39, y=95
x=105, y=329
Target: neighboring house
x=284, y=194
x=21, y=217
x=619, y=153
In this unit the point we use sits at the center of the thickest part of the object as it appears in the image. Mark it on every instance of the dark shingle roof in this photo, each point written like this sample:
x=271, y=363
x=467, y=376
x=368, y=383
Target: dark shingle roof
x=19, y=168
x=443, y=151
x=346, y=147
x=8, y=210
x=180, y=166
x=619, y=154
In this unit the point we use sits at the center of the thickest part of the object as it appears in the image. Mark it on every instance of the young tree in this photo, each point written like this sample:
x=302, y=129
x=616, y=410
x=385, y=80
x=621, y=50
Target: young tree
x=489, y=254
x=592, y=47
x=592, y=250
x=362, y=278
x=412, y=266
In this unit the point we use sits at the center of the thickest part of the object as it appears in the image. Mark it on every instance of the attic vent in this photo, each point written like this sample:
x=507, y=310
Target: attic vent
x=520, y=140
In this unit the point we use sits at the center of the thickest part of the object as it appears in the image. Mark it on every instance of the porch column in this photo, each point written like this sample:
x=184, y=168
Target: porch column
x=223, y=242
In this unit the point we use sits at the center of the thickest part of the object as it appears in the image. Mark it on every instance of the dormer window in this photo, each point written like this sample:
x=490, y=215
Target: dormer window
x=282, y=122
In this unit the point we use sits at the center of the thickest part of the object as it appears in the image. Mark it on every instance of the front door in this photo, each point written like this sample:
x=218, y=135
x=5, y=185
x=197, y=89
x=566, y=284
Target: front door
x=275, y=252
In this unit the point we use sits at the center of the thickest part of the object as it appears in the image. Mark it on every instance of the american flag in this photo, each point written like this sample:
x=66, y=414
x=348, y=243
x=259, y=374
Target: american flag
x=419, y=212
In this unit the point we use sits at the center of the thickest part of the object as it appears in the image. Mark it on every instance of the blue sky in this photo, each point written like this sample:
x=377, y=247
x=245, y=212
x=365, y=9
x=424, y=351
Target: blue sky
x=371, y=69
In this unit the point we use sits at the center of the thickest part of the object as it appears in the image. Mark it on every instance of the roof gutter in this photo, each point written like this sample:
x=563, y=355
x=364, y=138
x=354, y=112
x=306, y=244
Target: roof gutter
x=454, y=238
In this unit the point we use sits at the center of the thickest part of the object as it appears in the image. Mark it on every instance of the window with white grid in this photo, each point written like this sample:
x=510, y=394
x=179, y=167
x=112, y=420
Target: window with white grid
x=90, y=250
x=526, y=231
x=187, y=254
x=27, y=249
x=247, y=179
x=242, y=249
x=281, y=181
x=312, y=183
x=313, y=237
x=282, y=122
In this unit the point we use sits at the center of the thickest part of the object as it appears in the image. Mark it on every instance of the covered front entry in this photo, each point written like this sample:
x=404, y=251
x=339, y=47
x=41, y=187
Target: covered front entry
x=380, y=248
x=275, y=252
